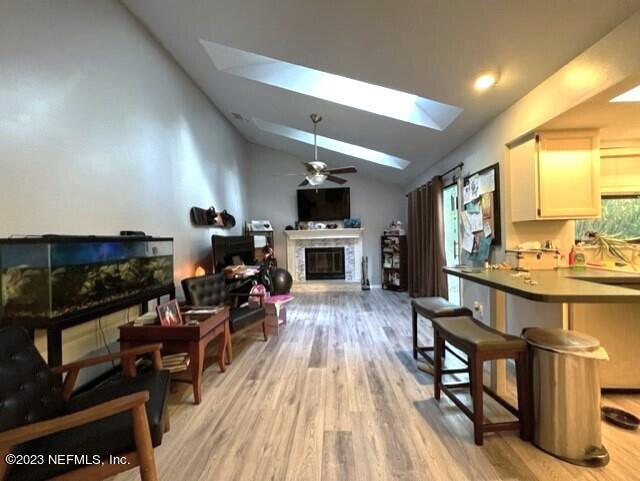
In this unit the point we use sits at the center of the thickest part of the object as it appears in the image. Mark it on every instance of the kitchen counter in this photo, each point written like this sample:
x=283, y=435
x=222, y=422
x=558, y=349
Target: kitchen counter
x=600, y=302
x=588, y=285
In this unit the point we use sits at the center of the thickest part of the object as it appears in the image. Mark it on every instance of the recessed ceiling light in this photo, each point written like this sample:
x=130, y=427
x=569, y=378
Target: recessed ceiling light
x=353, y=93
x=632, y=95
x=485, y=81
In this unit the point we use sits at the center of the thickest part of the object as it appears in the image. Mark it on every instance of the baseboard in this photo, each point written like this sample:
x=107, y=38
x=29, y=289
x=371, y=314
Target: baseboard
x=330, y=286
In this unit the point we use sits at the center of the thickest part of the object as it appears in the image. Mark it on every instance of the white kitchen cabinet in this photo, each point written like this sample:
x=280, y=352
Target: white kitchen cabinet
x=556, y=175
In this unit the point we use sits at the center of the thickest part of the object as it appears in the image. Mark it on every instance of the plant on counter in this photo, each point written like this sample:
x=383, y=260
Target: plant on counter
x=612, y=246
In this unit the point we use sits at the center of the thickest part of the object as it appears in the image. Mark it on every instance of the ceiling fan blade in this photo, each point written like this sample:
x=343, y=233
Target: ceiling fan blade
x=303, y=183
x=292, y=174
x=342, y=170
x=337, y=180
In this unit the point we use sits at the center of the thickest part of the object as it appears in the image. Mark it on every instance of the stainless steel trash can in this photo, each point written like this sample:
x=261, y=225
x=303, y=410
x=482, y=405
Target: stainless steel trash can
x=566, y=395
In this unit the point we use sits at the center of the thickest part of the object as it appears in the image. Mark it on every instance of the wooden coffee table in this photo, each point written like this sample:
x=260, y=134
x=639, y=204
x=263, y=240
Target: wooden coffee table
x=192, y=339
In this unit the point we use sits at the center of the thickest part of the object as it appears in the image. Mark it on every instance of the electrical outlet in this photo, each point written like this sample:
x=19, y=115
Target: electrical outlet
x=479, y=308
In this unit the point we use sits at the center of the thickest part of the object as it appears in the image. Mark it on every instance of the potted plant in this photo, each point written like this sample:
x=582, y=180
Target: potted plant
x=623, y=252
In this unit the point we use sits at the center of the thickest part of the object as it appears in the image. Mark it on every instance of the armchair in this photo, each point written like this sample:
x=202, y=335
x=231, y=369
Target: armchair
x=39, y=418
x=211, y=290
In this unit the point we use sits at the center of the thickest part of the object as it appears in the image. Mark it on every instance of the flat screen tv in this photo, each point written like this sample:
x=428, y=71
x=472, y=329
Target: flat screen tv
x=324, y=204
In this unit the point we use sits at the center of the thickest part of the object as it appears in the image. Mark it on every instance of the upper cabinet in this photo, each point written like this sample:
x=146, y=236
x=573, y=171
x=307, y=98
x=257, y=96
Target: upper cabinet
x=556, y=175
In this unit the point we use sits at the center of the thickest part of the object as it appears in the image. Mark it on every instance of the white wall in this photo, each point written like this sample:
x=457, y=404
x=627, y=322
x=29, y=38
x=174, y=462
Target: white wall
x=100, y=130
x=608, y=62
x=273, y=197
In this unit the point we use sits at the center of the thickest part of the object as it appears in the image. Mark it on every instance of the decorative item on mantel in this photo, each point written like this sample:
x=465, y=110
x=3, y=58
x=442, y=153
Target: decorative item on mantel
x=352, y=223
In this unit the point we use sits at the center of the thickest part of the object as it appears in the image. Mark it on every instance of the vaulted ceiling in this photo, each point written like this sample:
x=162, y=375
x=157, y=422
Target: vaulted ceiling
x=428, y=48
x=617, y=121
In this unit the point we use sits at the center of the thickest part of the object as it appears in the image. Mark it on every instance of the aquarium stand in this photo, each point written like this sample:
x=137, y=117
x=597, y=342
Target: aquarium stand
x=54, y=332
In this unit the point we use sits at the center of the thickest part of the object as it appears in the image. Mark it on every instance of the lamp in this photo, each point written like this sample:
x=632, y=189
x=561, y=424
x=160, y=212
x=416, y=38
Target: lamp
x=200, y=271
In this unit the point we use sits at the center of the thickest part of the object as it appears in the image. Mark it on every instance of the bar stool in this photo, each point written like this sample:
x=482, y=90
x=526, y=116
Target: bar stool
x=430, y=308
x=482, y=343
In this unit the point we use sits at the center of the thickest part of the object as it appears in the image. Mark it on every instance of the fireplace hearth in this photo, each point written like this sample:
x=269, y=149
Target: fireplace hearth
x=323, y=263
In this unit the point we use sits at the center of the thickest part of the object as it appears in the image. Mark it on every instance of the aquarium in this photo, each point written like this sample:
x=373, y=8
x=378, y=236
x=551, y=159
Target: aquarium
x=52, y=277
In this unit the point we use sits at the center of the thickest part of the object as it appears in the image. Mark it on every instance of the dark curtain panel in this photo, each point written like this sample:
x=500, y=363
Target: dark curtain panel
x=426, y=241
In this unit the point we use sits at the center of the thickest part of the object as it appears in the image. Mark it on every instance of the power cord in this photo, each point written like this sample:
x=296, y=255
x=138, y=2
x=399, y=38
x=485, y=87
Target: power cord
x=104, y=341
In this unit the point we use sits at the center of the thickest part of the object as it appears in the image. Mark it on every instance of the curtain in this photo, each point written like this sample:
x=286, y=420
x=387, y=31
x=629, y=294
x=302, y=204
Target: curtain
x=426, y=241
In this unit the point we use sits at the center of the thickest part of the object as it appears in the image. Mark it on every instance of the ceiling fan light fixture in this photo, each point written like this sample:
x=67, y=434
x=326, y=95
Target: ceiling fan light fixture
x=316, y=179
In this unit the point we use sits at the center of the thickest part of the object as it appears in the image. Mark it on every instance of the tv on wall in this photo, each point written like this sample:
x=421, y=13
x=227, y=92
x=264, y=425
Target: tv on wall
x=324, y=204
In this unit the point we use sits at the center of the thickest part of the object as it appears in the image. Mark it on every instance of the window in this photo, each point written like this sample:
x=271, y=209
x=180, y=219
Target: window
x=620, y=216
x=333, y=88
x=333, y=144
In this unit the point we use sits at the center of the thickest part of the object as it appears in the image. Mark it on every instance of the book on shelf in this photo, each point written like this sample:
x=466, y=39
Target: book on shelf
x=201, y=310
x=176, y=362
x=146, y=319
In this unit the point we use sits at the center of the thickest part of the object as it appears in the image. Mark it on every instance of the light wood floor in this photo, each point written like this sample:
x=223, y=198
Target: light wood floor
x=337, y=397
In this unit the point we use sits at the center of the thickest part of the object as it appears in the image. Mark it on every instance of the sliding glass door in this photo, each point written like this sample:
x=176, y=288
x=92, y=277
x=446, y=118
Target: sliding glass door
x=451, y=240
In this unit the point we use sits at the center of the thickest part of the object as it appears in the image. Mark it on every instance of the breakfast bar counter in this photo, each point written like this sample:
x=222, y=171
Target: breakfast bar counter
x=602, y=303
x=559, y=285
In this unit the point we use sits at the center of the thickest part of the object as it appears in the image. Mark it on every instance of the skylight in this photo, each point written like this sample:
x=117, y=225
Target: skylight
x=632, y=95
x=333, y=88
x=333, y=145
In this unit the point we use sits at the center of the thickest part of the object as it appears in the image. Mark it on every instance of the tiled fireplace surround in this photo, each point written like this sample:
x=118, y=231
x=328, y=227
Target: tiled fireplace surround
x=299, y=240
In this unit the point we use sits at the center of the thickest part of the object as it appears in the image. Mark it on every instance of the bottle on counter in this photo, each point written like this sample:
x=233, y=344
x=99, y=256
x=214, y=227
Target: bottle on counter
x=580, y=259
x=572, y=255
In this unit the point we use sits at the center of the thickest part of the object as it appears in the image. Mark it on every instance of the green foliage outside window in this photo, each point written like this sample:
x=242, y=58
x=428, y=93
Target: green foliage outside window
x=620, y=216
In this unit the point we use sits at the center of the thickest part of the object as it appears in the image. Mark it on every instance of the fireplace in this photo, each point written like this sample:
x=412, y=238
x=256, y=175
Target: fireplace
x=324, y=263
x=348, y=240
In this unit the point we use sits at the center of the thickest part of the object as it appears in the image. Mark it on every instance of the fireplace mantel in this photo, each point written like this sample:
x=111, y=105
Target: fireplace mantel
x=350, y=239
x=324, y=234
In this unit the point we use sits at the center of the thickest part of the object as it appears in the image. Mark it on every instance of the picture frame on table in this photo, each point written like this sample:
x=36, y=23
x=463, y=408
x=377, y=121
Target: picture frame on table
x=169, y=314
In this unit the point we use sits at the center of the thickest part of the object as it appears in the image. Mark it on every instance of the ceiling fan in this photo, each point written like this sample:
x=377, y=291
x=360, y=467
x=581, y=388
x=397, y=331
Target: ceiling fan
x=317, y=171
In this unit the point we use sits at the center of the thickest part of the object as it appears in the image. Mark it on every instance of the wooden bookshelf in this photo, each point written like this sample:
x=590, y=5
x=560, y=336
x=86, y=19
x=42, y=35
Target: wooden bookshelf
x=394, y=262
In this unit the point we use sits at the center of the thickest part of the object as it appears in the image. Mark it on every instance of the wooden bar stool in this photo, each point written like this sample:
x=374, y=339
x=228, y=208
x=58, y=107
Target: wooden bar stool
x=482, y=343
x=430, y=308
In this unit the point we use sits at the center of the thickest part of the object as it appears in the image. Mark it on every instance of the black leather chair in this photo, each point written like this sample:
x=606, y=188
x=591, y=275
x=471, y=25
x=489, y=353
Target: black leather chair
x=211, y=290
x=39, y=418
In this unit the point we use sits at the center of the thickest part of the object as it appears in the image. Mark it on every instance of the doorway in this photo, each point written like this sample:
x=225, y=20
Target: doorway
x=451, y=239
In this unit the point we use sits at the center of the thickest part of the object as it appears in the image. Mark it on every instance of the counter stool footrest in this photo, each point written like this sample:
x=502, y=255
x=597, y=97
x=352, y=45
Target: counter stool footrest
x=456, y=385
x=498, y=427
x=455, y=400
x=500, y=400
x=462, y=370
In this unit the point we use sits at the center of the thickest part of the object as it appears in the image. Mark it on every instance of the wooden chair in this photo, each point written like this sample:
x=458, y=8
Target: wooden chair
x=481, y=343
x=39, y=417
